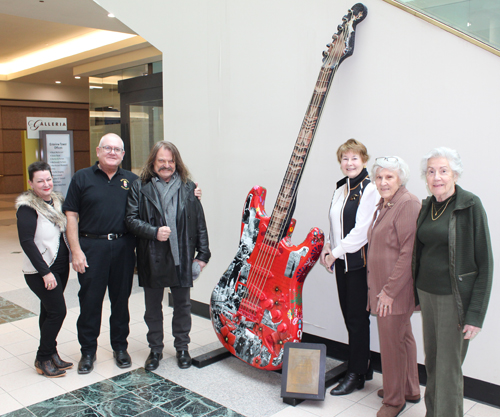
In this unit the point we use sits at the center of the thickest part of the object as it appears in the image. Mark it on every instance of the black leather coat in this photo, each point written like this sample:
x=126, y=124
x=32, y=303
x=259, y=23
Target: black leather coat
x=155, y=262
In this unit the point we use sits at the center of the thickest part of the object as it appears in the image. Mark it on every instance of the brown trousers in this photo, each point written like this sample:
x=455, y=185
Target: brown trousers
x=399, y=358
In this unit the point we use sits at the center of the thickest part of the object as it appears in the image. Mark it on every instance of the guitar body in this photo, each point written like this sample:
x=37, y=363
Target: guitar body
x=257, y=305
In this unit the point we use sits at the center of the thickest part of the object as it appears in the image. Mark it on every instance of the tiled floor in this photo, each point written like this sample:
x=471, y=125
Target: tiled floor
x=227, y=388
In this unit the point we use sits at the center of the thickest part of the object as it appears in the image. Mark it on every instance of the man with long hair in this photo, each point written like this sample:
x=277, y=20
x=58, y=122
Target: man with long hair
x=172, y=247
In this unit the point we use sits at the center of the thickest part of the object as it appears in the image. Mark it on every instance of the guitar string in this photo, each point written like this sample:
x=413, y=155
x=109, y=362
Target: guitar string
x=318, y=100
x=265, y=259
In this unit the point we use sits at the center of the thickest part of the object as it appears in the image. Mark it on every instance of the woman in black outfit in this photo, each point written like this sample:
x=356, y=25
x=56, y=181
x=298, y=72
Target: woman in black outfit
x=41, y=225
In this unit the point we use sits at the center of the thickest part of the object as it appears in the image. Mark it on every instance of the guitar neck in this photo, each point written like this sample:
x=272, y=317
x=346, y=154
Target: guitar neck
x=341, y=48
x=286, y=198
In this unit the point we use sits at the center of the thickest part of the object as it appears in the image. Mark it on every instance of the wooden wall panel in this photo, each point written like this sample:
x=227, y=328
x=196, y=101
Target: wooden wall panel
x=15, y=117
x=12, y=141
x=12, y=184
x=81, y=160
x=81, y=140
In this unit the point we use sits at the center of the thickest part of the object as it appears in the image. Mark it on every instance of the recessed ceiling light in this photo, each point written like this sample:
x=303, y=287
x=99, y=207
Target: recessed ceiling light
x=84, y=43
x=111, y=15
x=95, y=87
x=58, y=82
x=77, y=77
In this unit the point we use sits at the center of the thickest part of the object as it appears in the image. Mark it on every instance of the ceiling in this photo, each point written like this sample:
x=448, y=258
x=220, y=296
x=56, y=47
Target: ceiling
x=27, y=26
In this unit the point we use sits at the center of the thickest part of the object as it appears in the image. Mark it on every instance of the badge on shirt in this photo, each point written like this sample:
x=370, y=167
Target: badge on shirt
x=125, y=184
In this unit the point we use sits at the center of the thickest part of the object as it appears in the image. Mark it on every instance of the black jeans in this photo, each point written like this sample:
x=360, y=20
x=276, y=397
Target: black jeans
x=52, y=308
x=353, y=296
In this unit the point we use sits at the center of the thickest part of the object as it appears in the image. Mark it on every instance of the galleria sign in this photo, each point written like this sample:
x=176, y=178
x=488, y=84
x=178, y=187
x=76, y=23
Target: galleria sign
x=35, y=124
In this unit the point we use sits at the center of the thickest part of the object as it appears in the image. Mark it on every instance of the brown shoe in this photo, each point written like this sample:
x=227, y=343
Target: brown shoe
x=59, y=363
x=48, y=369
x=409, y=398
x=390, y=411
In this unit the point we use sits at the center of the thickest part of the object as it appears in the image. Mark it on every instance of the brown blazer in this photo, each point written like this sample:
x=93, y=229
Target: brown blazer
x=390, y=248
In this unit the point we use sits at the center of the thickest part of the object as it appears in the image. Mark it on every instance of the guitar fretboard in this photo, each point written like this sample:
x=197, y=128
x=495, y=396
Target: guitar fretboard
x=287, y=194
x=341, y=48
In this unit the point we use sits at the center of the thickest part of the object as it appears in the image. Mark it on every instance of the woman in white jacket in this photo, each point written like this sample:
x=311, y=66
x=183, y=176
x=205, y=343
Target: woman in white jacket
x=351, y=213
x=41, y=225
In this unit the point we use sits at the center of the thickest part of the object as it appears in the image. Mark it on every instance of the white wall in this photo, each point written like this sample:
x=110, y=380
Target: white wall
x=238, y=76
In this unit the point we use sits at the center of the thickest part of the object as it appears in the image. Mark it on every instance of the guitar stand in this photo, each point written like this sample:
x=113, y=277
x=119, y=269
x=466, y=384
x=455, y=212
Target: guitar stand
x=211, y=357
x=331, y=377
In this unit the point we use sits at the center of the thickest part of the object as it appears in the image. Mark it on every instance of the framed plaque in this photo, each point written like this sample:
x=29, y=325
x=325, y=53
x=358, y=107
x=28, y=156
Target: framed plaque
x=303, y=372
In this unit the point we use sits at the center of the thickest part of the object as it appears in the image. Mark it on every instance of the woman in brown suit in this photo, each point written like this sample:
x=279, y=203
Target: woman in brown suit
x=390, y=283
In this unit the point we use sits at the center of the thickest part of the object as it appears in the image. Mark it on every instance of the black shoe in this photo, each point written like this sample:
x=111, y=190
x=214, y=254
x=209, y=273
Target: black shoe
x=86, y=364
x=48, y=369
x=153, y=361
x=59, y=363
x=122, y=358
x=350, y=382
x=183, y=359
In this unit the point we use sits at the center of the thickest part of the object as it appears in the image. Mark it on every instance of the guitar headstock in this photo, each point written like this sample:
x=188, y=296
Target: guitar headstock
x=342, y=46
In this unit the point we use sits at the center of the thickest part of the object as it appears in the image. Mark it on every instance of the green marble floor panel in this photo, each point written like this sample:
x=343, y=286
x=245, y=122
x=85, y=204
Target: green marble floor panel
x=10, y=312
x=136, y=393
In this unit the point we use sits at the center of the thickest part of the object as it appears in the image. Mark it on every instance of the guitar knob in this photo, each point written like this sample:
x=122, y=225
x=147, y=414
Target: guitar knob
x=276, y=314
x=267, y=304
x=282, y=328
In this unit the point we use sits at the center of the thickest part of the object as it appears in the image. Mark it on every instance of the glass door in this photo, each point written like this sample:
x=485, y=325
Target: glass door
x=141, y=102
x=146, y=128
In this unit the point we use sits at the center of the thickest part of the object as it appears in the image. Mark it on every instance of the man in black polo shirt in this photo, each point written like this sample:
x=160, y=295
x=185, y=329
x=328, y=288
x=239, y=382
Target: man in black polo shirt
x=102, y=250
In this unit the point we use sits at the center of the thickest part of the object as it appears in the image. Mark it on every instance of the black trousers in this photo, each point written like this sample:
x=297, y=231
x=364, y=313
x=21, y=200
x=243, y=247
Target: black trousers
x=52, y=308
x=181, y=320
x=111, y=266
x=353, y=292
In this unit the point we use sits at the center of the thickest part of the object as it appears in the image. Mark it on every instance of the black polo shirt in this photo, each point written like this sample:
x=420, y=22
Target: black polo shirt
x=99, y=201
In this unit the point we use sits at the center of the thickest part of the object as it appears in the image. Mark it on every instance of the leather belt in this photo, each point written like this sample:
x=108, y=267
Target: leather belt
x=109, y=236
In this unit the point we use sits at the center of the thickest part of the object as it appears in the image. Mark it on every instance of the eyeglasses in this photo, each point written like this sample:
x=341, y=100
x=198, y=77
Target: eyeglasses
x=108, y=149
x=387, y=158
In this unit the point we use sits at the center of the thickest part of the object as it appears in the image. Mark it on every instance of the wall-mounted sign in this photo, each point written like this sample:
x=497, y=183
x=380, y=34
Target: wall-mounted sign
x=57, y=150
x=35, y=124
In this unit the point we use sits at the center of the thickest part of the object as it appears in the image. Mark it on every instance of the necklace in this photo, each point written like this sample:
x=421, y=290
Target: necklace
x=434, y=212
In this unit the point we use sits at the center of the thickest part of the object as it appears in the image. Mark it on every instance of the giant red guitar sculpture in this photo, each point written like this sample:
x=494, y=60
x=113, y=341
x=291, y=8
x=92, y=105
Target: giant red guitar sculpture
x=257, y=305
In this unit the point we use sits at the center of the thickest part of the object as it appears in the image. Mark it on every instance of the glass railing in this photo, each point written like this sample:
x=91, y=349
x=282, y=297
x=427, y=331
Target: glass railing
x=477, y=21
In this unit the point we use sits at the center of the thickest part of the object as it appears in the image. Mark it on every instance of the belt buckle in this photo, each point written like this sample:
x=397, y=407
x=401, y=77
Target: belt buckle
x=111, y=236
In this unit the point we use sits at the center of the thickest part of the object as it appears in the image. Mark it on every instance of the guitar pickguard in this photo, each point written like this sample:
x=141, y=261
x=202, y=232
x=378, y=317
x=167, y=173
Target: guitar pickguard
x=257, y=305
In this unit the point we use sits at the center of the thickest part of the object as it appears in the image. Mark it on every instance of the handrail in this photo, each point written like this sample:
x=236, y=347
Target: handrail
x=444, y=26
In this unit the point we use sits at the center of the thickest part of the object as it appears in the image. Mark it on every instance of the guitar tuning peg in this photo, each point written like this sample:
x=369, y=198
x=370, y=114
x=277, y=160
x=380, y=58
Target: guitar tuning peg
x=335, y=37
x=325, y=54
x=340, y=28
x=328, y=45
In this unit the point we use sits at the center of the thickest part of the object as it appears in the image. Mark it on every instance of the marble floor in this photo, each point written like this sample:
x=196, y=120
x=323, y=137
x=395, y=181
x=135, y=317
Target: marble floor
x=226, y=388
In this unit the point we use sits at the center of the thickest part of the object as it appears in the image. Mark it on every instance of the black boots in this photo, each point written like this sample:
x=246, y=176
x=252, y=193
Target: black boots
x=350, y=382
x=49, y=369
x=59, y=363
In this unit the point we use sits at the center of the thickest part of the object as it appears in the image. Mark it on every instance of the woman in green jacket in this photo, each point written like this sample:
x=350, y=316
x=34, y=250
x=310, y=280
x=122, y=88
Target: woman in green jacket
x=452, y=269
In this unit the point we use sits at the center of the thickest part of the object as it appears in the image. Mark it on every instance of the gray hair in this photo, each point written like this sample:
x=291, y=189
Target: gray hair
x=392, y=163
x=443, y=152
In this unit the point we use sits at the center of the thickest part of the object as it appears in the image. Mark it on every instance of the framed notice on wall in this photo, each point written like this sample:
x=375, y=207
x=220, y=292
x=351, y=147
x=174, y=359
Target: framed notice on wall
x=56, y=148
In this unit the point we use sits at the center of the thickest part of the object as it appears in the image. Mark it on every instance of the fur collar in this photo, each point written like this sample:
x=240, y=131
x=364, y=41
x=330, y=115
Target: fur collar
x=53, y=213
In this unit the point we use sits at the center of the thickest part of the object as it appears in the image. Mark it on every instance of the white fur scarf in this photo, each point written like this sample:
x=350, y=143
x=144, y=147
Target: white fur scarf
x=53, y=213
